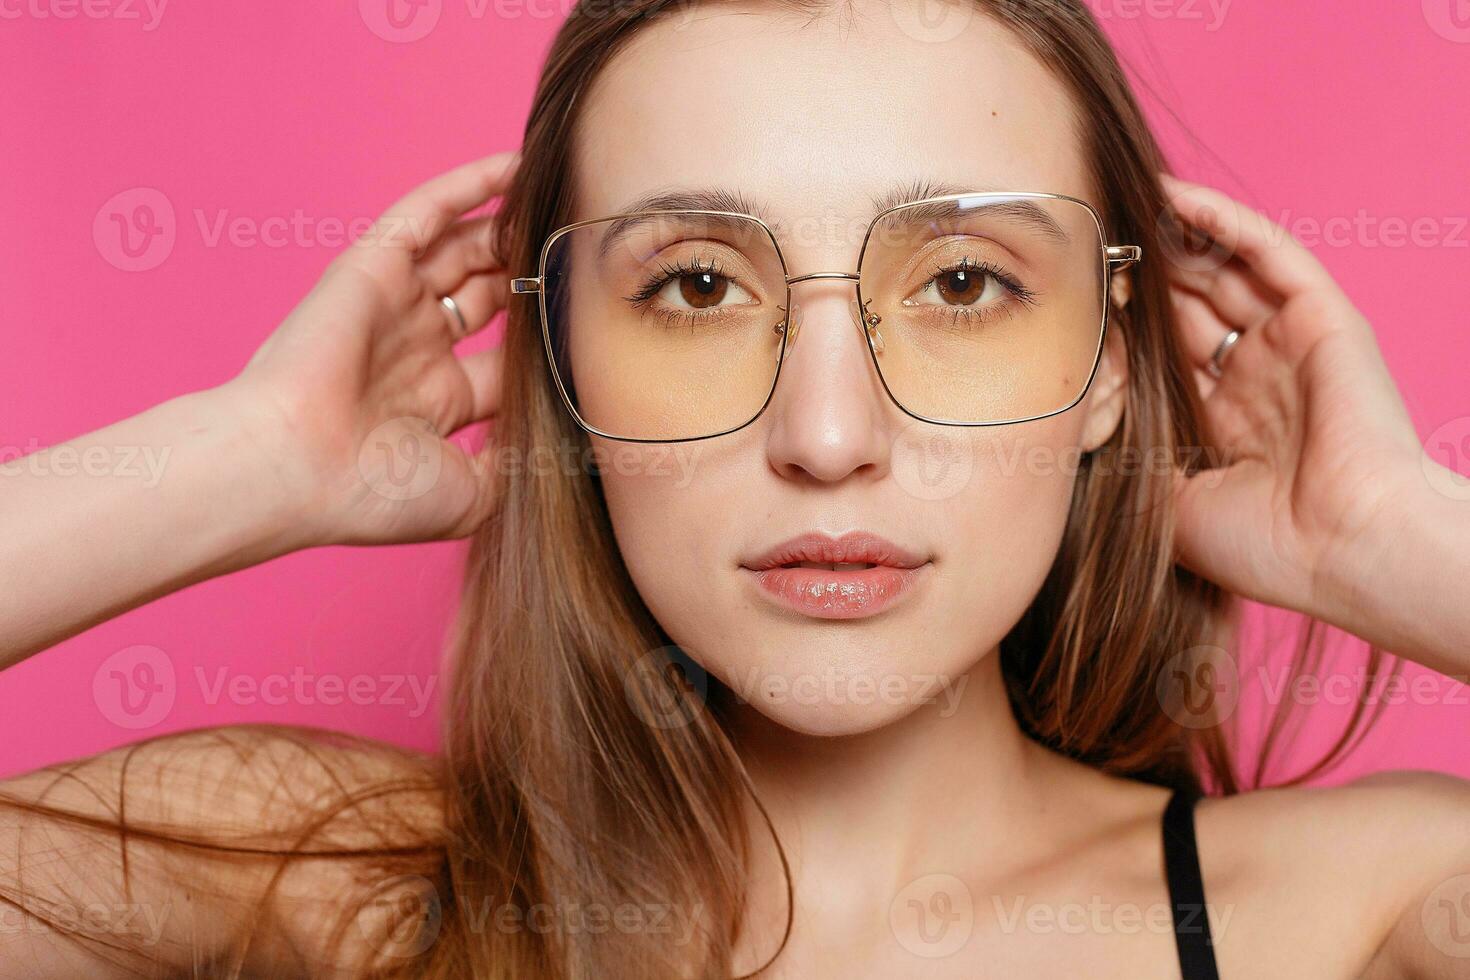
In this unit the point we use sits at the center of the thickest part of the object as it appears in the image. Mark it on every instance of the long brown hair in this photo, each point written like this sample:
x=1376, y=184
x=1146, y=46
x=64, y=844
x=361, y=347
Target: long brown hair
x=558, y=795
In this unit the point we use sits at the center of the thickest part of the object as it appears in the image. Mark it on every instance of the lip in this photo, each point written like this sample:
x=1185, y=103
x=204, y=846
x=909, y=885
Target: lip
x=824, y=593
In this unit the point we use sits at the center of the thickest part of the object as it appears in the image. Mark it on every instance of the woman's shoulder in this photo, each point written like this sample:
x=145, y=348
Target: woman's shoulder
x=1369, y=878
x=1340, y=881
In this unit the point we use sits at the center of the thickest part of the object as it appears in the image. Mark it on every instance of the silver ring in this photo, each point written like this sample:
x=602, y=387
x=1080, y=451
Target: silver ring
x=449, y=304
x=1217, y=360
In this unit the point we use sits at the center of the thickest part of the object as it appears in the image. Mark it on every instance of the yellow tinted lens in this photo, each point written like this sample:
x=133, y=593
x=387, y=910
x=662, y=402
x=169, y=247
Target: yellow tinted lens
x=662, y=324
x=989, y=307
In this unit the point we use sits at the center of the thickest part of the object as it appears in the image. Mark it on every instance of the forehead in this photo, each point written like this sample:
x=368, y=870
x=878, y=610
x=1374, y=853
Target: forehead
x=819, y=118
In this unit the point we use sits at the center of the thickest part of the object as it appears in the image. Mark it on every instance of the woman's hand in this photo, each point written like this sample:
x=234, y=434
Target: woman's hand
x=358, y=387
x=332, y=433
x=1323, y=482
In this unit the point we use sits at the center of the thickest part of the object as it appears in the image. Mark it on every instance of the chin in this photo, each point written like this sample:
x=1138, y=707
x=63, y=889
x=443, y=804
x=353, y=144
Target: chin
x=814, y=697
x=833, y=721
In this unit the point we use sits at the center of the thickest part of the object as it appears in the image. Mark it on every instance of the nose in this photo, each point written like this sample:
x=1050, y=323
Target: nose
x=829, y=413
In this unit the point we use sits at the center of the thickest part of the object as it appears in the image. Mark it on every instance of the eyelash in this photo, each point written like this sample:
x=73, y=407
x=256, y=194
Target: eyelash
x=1008, y=282
x=669, y=273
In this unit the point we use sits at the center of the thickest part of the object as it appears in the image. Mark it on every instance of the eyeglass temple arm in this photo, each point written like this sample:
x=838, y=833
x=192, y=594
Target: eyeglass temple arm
x=1121, y=257
x=526, y=284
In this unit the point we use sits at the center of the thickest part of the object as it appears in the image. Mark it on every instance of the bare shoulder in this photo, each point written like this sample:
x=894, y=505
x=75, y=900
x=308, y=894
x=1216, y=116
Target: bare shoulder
x=185, y=845
x=1341, y=881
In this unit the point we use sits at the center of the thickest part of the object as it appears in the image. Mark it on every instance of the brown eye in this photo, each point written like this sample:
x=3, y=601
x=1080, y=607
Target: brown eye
x=702, y=290
x=961, y=286
x=964, y=286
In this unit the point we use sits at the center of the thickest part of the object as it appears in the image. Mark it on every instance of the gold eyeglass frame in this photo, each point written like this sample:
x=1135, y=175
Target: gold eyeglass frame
x=1113, y=258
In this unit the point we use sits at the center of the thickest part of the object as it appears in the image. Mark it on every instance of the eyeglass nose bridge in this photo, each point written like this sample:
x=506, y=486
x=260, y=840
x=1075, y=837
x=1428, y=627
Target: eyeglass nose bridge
x=793, y=280
x=865, y=320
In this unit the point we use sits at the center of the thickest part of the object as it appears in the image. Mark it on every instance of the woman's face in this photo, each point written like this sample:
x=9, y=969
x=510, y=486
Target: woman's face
x=816, y=120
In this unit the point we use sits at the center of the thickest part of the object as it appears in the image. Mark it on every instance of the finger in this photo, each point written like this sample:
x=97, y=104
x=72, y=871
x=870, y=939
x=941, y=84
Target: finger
x=1241, y=300
x=1266, y=248
x=1200, y=332
x=479, y=298
x=483, y=484
x=483, y=370
x=425, y=212
x=465, y=247
x=1200, y=327
x=1255, y=404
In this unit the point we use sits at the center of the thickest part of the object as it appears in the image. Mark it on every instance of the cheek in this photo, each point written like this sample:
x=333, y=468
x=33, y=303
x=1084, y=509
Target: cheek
x=1002, y=530
x=669, y=514
x=1000, y=519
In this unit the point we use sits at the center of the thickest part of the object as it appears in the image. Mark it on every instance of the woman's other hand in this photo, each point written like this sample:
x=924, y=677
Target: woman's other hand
x=1320, y=500
x=360, y=385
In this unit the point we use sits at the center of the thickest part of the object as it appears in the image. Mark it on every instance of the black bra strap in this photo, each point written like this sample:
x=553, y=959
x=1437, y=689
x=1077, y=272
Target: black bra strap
x=1187, y=890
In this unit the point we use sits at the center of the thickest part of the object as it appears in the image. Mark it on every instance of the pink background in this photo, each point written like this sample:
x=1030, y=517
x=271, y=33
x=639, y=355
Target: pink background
x=1309, y=111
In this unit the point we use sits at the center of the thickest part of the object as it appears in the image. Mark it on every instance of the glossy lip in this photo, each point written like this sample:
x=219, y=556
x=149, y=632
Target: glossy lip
x=832, y=594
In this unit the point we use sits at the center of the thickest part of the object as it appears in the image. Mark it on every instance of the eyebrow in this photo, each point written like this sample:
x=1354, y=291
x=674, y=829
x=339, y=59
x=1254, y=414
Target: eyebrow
x=727, y=199
x=690, y=199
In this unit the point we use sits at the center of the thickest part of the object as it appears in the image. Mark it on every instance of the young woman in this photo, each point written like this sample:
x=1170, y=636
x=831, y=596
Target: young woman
x=913, y=436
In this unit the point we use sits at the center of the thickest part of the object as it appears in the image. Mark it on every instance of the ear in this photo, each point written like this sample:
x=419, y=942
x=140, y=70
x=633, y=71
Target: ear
x=1108, y=395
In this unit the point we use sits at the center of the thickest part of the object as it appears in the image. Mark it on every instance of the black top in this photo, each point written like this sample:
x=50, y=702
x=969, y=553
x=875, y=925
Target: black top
x=1187, y=890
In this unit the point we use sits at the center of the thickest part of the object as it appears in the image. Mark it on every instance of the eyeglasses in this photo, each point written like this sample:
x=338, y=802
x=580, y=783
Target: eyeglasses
x=976, y=309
